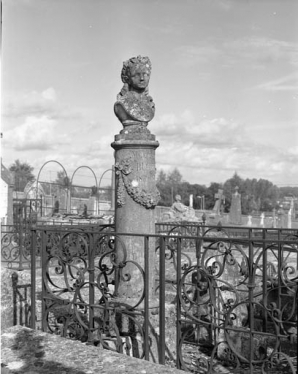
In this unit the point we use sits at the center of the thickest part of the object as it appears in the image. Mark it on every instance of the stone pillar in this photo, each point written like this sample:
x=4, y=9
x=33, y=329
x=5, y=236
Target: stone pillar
x=219, y=200
x=136, y=198
x=235, y=215
x=281, y=215
x=191, y=200
x=262, y=217
x=274, y=218
x=289, y=226
x=135, y=188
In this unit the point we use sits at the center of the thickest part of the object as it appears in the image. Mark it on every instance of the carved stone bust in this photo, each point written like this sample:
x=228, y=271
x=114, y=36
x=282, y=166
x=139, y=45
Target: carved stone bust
x=134, y=105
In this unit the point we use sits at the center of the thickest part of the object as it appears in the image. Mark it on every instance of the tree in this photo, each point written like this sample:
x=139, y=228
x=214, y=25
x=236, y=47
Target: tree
x=288, y=191
x=94, y=191
x=22, y=172
x=229, y=189
x=199, y=192
x=161, y=178
x=174, y=182
x=164, y=189
x=64, y=183
x=256, y=195
x=210, y=195
x=175, y=177
x=62, y=179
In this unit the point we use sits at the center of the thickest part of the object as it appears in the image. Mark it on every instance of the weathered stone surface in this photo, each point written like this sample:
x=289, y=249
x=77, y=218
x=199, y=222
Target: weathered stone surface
x=136, y=198
x=180, y=212
x=136, y=192
x=235, y=212
x=219, y=200
x=133, y=102
x=33, y=352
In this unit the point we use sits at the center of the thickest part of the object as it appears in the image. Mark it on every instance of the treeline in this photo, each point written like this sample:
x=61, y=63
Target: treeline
x=256, y=195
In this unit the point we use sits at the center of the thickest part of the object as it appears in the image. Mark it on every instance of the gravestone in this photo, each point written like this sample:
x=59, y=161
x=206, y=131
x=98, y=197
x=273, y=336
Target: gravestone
x=180, y=212
x=282, y=218
x=262, y=218
x=235, y=211
x=136, y=193
x=191, y=200
x=274, y=218
x=289, y=219
x=219, y=200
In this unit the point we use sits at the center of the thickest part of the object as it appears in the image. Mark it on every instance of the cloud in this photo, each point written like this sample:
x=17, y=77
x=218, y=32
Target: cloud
x=256, y=51
x=287, y=83
x=223, y=4
x=190, y=55
x=35, y=103
x=35, y=133
x=262, y=51
x=185, y=128
x=204, y=143
x=205, y=164
x=293, y=151
x=215, y=148
x=49, y=94
x=19, y=3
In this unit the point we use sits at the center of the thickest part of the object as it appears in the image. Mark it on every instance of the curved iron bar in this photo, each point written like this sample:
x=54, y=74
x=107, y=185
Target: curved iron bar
x=73, y=174
x=16, y=246
x=278, y=362
x=47, y=162
x=102, y=177
x=219, y=310
x=224, y=298
x=67, y=285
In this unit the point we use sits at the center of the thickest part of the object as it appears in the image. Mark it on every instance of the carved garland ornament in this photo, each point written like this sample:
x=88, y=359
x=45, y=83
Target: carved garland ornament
x=140, y=196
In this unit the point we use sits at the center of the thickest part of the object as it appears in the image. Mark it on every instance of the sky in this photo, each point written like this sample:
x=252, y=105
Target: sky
x=224, y=82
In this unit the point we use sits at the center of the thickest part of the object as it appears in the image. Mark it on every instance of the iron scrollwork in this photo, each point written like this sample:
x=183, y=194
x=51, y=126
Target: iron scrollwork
x=230, y=313
x=80, y=292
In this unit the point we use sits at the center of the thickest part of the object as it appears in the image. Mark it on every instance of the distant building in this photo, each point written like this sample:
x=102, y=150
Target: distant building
x=6, y=191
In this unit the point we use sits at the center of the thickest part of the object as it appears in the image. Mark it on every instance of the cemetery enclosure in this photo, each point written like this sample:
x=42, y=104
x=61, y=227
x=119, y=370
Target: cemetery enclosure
x=228, y=295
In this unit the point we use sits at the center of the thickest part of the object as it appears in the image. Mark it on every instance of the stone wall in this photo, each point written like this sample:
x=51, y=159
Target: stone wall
x=27, y=351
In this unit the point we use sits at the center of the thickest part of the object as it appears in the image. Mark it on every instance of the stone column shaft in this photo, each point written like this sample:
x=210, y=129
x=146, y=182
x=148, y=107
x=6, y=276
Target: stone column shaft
x=135, y=201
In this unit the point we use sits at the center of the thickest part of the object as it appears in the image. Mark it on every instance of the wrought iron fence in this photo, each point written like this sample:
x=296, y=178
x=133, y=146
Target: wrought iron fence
x=238, y=302
x=232, y=293
x=233, y=299
x=16, y=246
x=16, y=241
x=21, y=302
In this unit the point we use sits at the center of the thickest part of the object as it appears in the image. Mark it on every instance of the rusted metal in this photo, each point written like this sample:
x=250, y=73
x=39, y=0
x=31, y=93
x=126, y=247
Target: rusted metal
x=21, y=302
x=162, y=276
x=235, y=292
x=16, y=246
x=146, y=299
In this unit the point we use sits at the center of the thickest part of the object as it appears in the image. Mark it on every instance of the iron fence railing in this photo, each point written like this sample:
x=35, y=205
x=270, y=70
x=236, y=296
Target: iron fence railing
x=21, y=302
x=16, y=241
x=16, y=246
x=225, y=302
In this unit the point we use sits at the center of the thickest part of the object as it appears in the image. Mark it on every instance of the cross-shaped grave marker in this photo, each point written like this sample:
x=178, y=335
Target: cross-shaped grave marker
x=219, y=199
